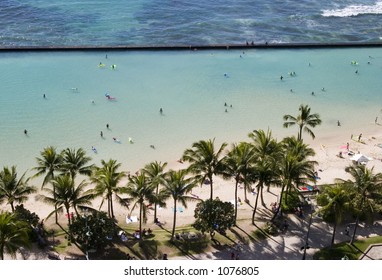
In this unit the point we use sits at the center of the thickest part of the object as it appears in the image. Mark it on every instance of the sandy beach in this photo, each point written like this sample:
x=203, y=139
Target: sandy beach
x=330, y=166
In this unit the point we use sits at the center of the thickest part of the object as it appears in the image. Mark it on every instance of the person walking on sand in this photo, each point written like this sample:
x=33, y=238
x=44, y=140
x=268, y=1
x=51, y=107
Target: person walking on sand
x=347, y=146
x=359, y=137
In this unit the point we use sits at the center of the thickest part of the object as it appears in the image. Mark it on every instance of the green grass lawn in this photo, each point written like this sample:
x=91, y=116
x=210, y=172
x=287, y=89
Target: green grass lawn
x=353, y=252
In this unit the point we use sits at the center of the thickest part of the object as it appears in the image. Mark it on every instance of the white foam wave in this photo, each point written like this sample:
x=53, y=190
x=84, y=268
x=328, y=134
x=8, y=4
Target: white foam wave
x=354, y=10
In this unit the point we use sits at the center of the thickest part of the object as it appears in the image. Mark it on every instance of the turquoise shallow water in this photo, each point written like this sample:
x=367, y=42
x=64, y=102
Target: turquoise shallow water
x=191, y=87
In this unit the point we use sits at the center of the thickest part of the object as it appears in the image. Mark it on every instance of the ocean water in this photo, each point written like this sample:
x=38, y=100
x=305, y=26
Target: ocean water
x=180, y=22
x=191, y=87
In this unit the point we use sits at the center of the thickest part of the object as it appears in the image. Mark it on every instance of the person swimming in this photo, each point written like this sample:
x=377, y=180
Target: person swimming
x=101, y=134
x=161, y=111
x=25, y=131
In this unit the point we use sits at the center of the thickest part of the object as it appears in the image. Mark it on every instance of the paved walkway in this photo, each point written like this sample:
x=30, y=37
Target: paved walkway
x=289, y=246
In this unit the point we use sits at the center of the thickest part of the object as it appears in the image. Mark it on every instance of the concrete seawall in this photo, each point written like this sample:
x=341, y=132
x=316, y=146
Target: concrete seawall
x=188, y=48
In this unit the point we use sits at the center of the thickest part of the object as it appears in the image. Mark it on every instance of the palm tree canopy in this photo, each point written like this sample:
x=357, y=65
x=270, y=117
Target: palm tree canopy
x=204, y=159
x=13, y=189
x=178, y=186
x=335, y=201
x=239, y=161
x=14, y=234
x=66, y=194
x=298, y=148
x=294, y=171
x=155, y=172
x=304, y=120
x=139, y=189
x=265, y=146
x=49, y=163
x=107, y=177
x=75, y=161
x=368, y=188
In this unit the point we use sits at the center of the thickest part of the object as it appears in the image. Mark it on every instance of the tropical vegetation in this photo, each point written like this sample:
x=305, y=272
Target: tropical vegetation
x=252, y=166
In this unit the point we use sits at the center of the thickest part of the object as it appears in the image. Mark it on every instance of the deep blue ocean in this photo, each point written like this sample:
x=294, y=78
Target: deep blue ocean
x=180, y=22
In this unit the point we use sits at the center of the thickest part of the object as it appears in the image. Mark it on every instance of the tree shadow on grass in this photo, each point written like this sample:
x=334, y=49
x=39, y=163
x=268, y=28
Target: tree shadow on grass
x=189, y=247
x=149, y=249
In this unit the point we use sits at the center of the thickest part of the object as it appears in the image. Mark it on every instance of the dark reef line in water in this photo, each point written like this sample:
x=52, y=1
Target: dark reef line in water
x=193, y=47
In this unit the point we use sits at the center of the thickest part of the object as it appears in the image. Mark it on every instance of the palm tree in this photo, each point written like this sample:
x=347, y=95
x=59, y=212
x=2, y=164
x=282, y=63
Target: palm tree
x=266, y=148
x=304, y=120
x=155, y=173
x=368, y=187
x=335, y=202
x=265, y=174
x=49, y=163
x=238, y=163
x=178, y=186
x=292, y=172
x=66, y=195
x=140, y=190
x=302, y=152
x=75, y=161
x=14, y=234
x=107, y=179
x=205, y=161
x=13, y=189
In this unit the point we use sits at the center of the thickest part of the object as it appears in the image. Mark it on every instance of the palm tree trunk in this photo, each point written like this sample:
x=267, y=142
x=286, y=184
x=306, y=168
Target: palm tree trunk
x=334, y=232
x=255, y=207
x=279, y=206
x=111, y=206
x=299, y=136
x=245, y=193
x=261, y=195
x=140, y=220
x=55, y=205
x=108, y=206
x=174, y=222
x=2, y=251
x=212, y=188
x=236, y=187
x=357, y=219
x=155, y=204
x=354, y=232
x=67, y=213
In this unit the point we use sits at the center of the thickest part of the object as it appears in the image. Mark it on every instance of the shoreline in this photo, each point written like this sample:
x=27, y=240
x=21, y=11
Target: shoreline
x=330, y=167
x=192, y=47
